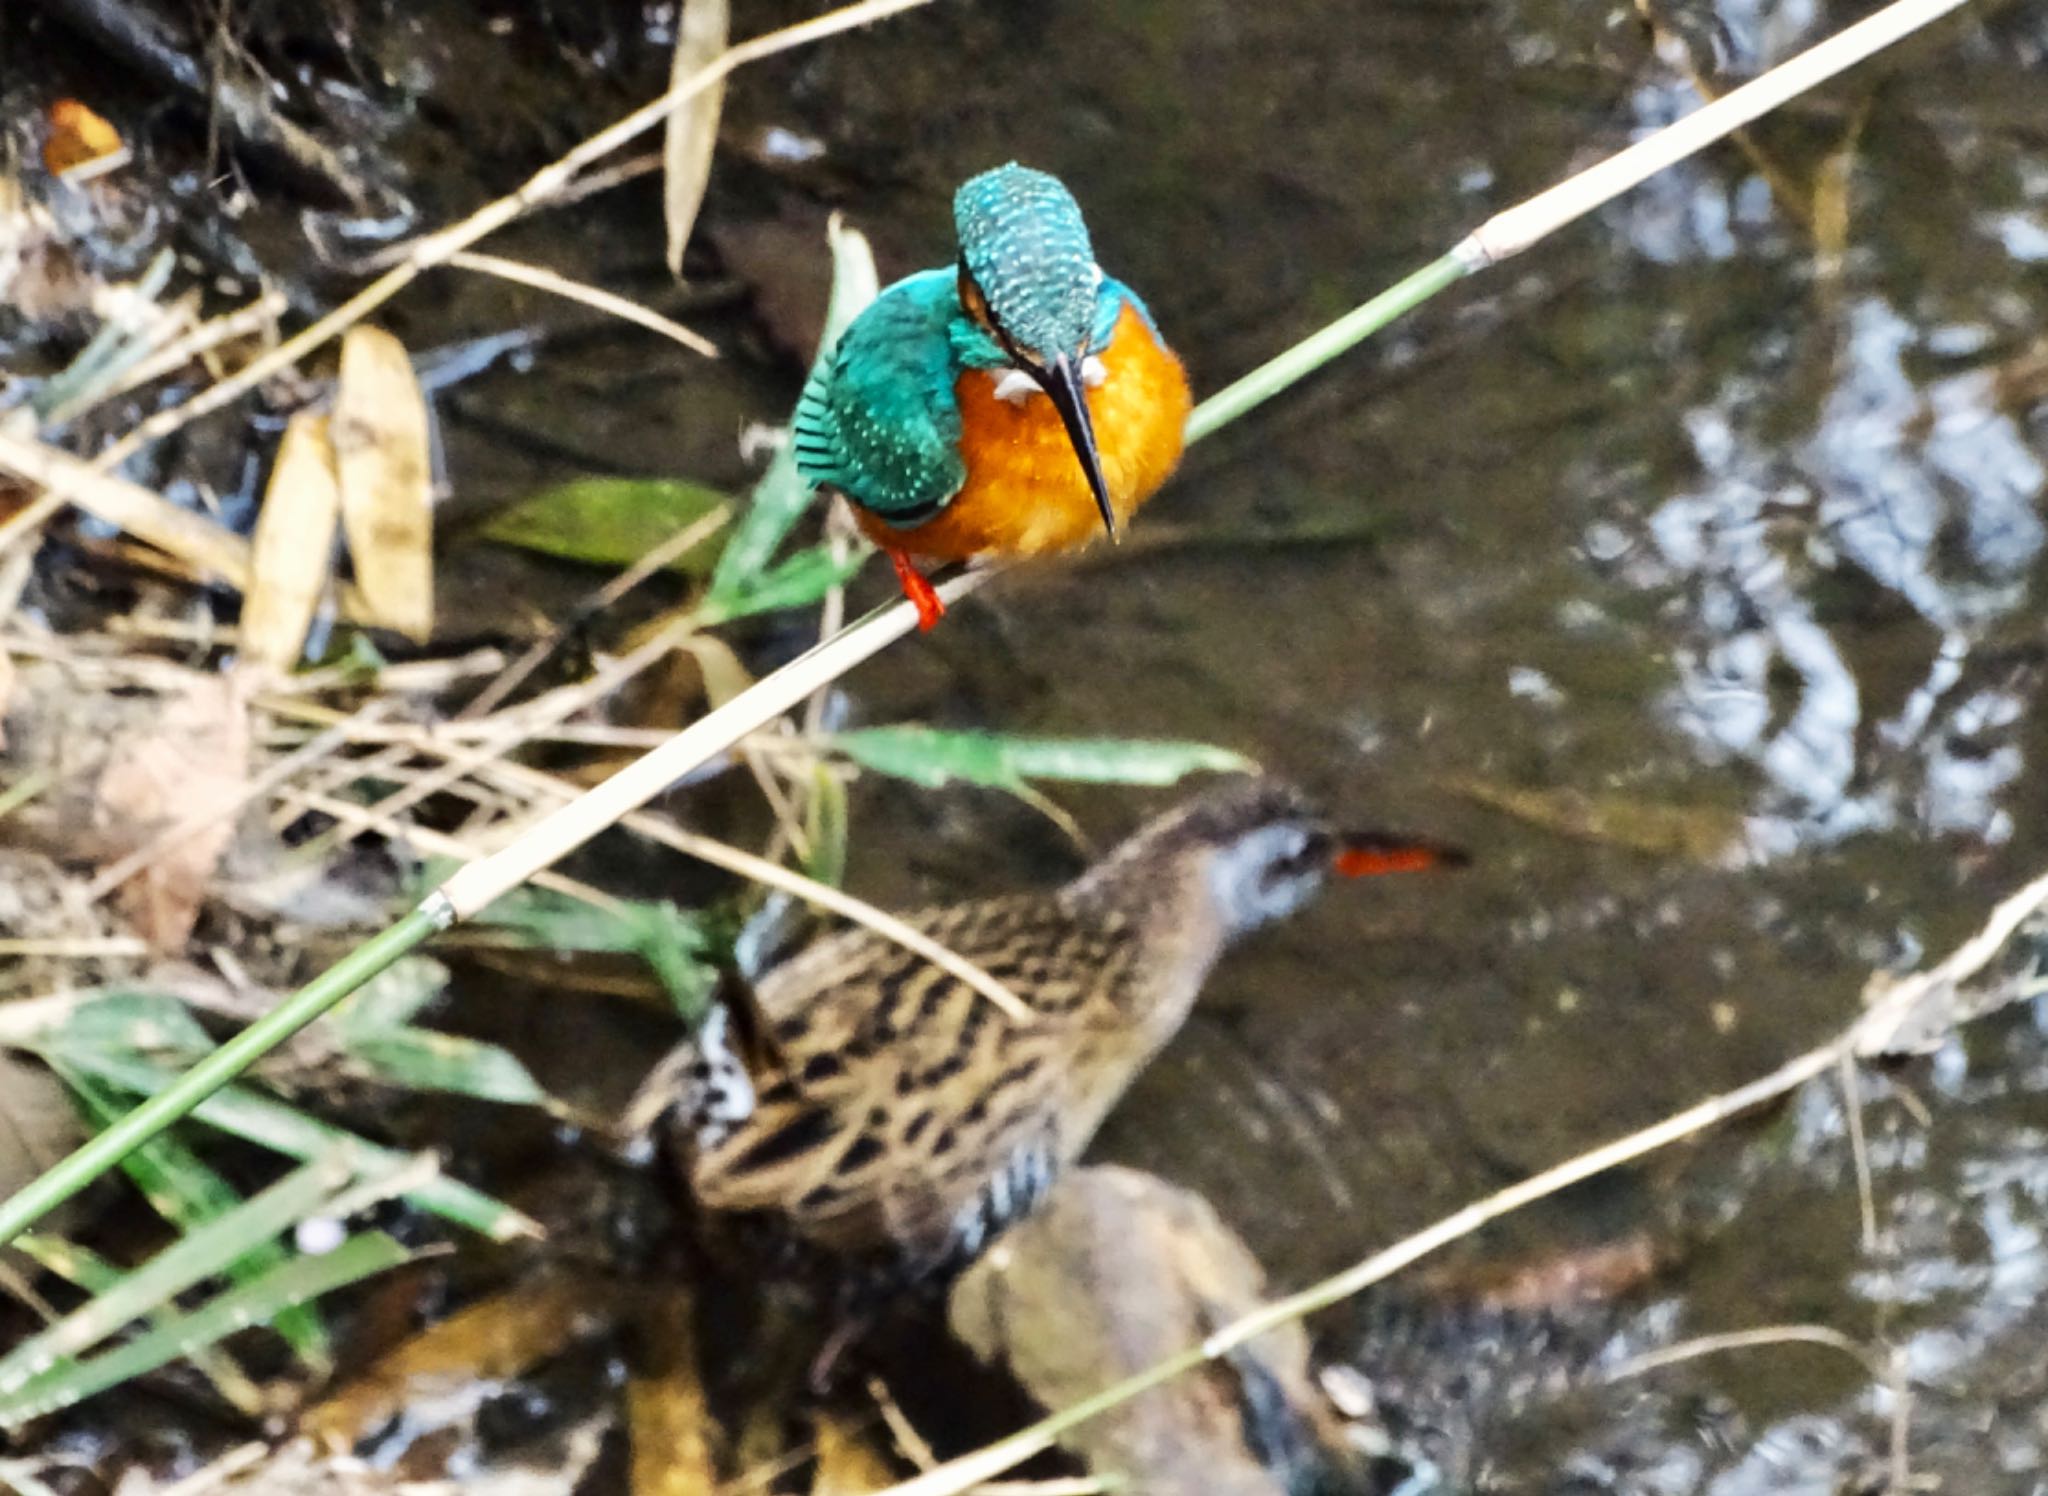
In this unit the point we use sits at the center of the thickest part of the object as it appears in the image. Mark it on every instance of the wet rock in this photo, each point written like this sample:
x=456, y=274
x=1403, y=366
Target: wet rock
x=1118, y=1272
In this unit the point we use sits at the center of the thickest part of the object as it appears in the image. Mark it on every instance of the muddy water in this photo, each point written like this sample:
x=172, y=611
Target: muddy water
x=1719, y=515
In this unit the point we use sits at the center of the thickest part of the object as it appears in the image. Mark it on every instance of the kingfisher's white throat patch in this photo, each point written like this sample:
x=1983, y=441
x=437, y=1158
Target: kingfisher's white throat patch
x=1014, y=386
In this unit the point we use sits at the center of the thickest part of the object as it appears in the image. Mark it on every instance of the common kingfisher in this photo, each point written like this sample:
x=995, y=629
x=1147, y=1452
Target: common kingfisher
x=1003, y=407
x=905, y=1120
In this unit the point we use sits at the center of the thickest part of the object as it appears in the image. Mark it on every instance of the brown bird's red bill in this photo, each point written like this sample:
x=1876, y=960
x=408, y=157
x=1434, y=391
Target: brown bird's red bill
x=1367, y=854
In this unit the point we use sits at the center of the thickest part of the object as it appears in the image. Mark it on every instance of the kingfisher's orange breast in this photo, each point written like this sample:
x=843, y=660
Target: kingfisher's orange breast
x=1025, y=492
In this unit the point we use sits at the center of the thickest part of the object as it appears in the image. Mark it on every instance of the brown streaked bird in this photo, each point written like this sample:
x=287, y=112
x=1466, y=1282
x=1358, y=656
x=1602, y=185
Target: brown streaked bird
x=906, y=1120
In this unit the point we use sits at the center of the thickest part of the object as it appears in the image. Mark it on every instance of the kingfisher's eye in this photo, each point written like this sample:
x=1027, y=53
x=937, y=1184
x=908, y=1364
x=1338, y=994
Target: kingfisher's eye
x=976, y=303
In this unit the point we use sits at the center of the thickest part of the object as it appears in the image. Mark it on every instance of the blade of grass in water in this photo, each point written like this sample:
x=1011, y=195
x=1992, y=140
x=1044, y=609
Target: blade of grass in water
x=274, y=1125
x=187, y=1192
x=83, y=1268
x=290, y=1284
x=198, y=1255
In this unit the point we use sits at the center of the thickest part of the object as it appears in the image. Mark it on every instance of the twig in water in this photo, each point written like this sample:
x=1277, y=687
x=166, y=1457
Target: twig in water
x=575, y=290
x=1737, y=1340
x=1859, y=1152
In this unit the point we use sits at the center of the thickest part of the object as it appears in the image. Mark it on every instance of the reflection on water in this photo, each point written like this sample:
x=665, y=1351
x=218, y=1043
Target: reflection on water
x=1928, y=492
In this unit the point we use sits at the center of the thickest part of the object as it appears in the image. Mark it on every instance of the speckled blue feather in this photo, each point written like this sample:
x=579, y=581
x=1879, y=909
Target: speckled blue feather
x=1023, y=241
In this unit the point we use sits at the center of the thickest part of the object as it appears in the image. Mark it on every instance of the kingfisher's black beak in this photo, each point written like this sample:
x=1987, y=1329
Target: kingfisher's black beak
x=1061, y=379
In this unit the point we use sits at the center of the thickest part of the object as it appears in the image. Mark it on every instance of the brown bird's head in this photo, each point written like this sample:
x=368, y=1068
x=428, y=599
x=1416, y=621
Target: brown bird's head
x=1252, y=850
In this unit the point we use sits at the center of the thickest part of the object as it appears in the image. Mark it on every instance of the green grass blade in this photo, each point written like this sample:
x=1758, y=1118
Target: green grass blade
x=391, y=999
x=825, y=826
x=672, y=941
x=74, y=1172
x=292, y=1283
x=610, y=521
x=200, y=1254
x=187, y=1192
x=415, y=1059
x=138, y=1022
x=284, y=1129
x=84, y=1268
x=799, y=582
x=933, y=757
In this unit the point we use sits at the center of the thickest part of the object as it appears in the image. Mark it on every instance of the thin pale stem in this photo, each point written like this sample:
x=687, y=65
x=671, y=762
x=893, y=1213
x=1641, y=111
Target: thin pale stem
x=93, y=1158
x=542, y=279
x=1317, y=349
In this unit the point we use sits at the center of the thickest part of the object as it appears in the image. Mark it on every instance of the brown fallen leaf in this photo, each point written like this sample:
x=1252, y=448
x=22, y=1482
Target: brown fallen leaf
x=669, y=1421
x=1598, y=1272
x=1702, y=833
x=452, y=1367
x=186, y=767
x=848, y=1463
x=381, y=448
x=38, y=1123
x=81, y=145
x=701, y=32
x=293, y=545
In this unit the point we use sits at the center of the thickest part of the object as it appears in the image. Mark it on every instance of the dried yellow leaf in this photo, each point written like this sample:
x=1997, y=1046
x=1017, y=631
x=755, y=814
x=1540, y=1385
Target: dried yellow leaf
x=449, y=1368
x=669, y=1422
x=848, y=1463
x=701, y=33
x=293, y=548
x=381, y=446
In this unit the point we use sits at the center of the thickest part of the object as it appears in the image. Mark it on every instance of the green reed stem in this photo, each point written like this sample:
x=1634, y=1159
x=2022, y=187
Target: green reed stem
x=74, y=1172
x=1318, y=348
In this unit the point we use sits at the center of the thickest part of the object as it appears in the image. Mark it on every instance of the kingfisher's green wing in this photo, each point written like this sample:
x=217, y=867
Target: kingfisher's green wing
x=878, y=421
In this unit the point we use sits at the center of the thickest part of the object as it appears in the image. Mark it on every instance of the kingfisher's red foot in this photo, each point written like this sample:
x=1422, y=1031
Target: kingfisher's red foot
x=920, y=592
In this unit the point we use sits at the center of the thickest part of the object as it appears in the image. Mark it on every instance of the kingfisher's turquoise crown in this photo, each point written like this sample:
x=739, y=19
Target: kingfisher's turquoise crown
x=1023, y=241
